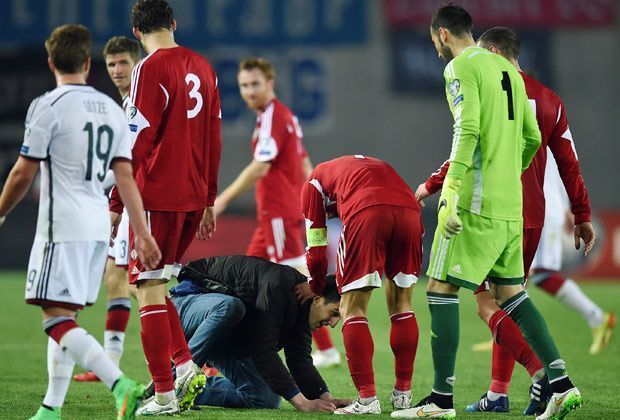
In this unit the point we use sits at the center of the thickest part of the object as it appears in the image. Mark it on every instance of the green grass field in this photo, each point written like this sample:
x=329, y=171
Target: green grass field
x=23, y=374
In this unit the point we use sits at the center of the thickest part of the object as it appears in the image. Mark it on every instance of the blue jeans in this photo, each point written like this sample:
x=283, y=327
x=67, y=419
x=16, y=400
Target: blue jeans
x=208, y=319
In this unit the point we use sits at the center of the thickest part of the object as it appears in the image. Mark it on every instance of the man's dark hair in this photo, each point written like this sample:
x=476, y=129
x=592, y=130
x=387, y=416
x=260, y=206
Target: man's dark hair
x=68, y=46
x=122, y=44
x=151, y=15
x=502, y=38
x=453, y=18
x=330, y=292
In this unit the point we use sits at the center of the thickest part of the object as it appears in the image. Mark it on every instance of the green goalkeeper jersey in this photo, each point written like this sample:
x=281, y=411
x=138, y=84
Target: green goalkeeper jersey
x=495, y=132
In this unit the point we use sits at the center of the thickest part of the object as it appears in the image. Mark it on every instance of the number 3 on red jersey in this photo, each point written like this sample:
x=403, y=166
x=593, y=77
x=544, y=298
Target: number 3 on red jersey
x=193, y=82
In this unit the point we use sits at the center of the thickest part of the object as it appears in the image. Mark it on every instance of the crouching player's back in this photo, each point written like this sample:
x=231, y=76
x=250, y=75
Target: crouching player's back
x=381, y=232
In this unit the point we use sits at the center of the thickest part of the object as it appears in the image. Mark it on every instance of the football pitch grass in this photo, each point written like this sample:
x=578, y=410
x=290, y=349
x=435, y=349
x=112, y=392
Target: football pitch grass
x=23, y=373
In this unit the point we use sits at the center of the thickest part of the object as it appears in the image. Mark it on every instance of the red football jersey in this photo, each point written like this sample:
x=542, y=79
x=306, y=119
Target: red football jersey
x=553, y=124
x=278, y=139
x=174, y=115
x=345, y=186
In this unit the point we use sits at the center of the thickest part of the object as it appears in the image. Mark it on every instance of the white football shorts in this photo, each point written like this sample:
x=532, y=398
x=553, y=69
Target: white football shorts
x=549, y=253
x=65, y=274
x=120, y=250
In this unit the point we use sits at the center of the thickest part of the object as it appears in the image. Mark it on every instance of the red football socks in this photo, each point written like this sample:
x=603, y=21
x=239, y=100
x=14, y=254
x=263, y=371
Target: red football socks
x=156, y=344
x=179, y=351
x=322, y=339
x=552, y=282
x=360, y=348
x=57, y=331
x=509, y=346
x=117, y=319
x=404, y=342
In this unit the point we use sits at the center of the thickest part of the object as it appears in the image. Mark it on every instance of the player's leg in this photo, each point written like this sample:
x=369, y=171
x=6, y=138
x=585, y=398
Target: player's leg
x=70, y=277
x=402, y=267
x=514, y=300
x=190, y=378
x=154, y=311
x=117, y=287
x=462, y=261
x=359, y=348
x=119, y=307
x=546, y=276
x=360, y=261
x=508, y=345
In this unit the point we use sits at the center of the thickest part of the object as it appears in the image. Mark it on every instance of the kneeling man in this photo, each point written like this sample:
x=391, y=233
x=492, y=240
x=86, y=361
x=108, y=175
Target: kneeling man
x=237, y=313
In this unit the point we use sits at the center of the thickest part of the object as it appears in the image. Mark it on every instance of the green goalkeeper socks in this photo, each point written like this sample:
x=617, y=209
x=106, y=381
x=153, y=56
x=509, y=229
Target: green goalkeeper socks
x=444, y=338
x=534, y=329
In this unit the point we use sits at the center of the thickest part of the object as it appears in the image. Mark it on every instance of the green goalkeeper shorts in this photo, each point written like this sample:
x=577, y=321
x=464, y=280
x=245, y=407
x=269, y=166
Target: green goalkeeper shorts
x=485, y=249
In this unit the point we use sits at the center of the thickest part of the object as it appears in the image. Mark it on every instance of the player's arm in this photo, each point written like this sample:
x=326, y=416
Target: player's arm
x=215, y=145
x=563, y=149
x=464, y=99
x=148, y=99
x=531, y=135
x=433, y=183
x=145, y=244
x=242, y=184
x=208, y=223
x=17, y=184
x=312, y=206
x=306, y=165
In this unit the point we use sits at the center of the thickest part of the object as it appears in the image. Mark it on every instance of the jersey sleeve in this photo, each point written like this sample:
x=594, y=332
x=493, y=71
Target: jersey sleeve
x=122, y=151
x=41, y=124
x=435, y=181
x=531, y=135
x=147, y=102
x=463, y=97
x=563, y=149
x=123, y=146
x=215, y=146
x=313, y=208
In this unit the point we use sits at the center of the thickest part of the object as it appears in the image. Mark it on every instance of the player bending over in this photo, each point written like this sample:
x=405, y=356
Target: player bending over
x=381, y=232
x=75, y=134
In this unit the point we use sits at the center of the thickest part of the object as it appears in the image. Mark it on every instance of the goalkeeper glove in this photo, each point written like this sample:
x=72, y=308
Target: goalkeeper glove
x=448, y=219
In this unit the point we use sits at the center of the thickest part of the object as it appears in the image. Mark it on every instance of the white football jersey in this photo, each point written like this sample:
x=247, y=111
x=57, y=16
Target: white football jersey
x=76, y=132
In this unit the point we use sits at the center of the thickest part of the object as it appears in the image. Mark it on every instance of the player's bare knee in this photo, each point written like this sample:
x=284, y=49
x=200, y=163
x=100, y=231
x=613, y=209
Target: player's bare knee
x=501, y=293
x=486, y=306
x=398, y=298
x=152, y=292
x=354, y=303
x=443, y=287
x=54, y=312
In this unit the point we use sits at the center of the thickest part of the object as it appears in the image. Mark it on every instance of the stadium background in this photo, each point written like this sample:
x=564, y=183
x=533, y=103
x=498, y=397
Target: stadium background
x=362, y=76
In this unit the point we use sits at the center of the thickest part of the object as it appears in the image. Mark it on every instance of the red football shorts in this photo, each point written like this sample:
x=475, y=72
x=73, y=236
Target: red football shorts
x=531, y=238
x=379, y=239
x=279, y=240
x=174, y=232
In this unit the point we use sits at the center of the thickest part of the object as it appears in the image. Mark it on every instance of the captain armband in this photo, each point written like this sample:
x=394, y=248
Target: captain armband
x=316, y=237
